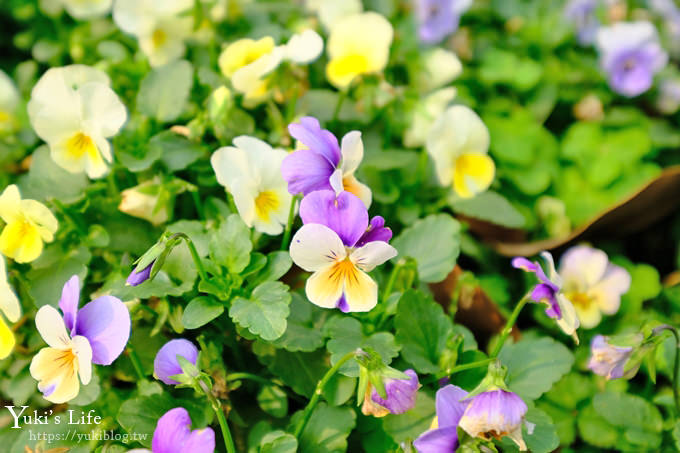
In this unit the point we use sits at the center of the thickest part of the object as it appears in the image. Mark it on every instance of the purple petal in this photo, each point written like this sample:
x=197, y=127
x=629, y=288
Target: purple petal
x=105, y=322
x=200, y=441
x=69, y=301
x=607, y=360
x=524, y=264
x=318, y=140
x=166, y=364
x=137, y=278
x=306, y=171
x=442, y=440
x=437, y=18
x=172, y=431
x=450, y=408
x=376, y=232
x=342, y=304
x=344, y=214
x=497, y=410
x=546, y=294
x=401, y=393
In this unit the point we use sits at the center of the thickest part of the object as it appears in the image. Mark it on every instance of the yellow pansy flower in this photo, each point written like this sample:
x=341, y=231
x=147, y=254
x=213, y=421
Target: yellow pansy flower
x=9, y=305
x=358, y=44
x=28, y=224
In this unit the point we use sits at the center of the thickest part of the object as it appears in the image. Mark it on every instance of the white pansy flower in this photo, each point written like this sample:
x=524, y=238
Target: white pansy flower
x=425, y=114
x=87, y=9
x=74, y=110
x=332, y=11
x=160, y=26
x=440, y=67
x=9, y=101
x=458, y=143
x=251, y=172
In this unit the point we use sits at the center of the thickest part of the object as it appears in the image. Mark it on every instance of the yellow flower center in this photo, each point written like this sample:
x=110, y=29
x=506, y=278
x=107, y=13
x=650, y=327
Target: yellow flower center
x=344, y=270
x=5, y=117
x=348, y=65
x=158, y=37
x=579, y=299
x=81, y=144
x=266, y=202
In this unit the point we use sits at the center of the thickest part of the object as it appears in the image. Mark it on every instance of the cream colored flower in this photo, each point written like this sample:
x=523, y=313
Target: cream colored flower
x=87, y=9
x=9, y=305
x=161, y=27
x=142, y=201
x=9, y=101
x=358, y=44
x=332, y=11
x=425, y=114
x=74, y=110
x=458, y=144
x=440, y=67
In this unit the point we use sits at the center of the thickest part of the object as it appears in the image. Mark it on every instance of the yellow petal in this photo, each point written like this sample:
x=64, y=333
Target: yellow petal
x=588, y=314
x=342, y=70
x=10, y=203
x=56, y=371
x=361, y=292
x=324, y=287
x=6, y=339
x=472, y=174
x=21, y=241
x=243, y=52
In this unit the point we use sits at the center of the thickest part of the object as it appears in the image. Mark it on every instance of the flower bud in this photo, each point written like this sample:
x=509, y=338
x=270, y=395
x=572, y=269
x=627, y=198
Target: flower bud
x=166, y=365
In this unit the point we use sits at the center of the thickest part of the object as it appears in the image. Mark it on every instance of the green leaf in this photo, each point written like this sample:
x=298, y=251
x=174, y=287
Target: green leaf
x=54, y=267
x=534, y=365
x=265, y=312
x=175, y=151
x=327, y=429
x=492, y=207
x=273, y=400
x=88, y=393
x=230, y=246
x=278, y=442
x=346, y=335
x=543, y=439
x=301, y=371
x=278, y=263
x=422, y=330
x=434, y=242
x=595, y=430
x=46, y=180
x=413, y=423
x=628, y=411
x=304, y=331
x=200, y=311
x=165, y=90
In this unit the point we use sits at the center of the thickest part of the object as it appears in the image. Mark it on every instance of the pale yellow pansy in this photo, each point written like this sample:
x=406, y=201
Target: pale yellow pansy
x=74, y=110
x=142, y=201
x=28, y=223
x=458, y=143
x=160, y=27
x=358, y=44
x=9, y=101
x=332, y=11
x=87, y=9
x=439, y=67
x=338, y=270
x=57, y=367
x=425, y=114
x=251, y=172
x=248, y=62
x=9, y=305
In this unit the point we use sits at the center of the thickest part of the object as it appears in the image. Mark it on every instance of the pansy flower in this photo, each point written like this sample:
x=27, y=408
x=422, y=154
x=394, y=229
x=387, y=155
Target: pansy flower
x=88, y=9
x=332, y=11
x=10, y=307
x=400, y=396
x=334, y=244
x=166, y=364
x=251, y=172
x=582, y=14
x=443, y=435
x=358, y=44
x=549, y=291
x=458, y=143
x=9, y=102
x=496, y=414
x=592, y=283
x=324, y=165
x=631, y=55
x=77, y=338
x=159, y=26
x=608, y=360
x=248, y=62
x=74, y=110
x=28, y=223
x=439, y=18
x=173, y=434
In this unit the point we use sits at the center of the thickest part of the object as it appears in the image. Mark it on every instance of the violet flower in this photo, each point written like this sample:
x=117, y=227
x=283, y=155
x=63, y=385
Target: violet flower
x=439, y=18
x=325, y=165
x=582, y=14
x=608, y=360
x=495, y=414
x=166, y=363
x=137, y=278
x=401, y=396
x=631, y=55
x=443, y=435
x=173, y=434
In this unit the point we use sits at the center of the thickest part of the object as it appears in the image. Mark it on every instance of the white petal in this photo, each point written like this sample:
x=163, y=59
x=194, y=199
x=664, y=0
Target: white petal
x=244, y=194
x=9, y=95
x=135, y=17
x=230, y=164
x=440, y=67
x=569, y=321
x=372, y=254
x=89, y=9
x=315, y=246
x=9, y=303
x=304, y=47
x=83, y=350
x=51, y=326
x=336, y=181
x=352, y=150
x=103, y=112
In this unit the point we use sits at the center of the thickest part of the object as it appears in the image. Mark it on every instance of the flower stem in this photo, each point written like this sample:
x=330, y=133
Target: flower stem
x=508, y=327
x=676, y=366
x=136, y=363
x=217, y=407
x=306, y=415
x=393, y=279
x=194, y=255
x=253, y=377
x=471, y=365
x=341, y=98
x=289, y=225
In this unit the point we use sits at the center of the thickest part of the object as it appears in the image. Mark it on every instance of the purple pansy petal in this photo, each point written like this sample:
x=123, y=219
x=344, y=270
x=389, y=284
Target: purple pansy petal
x=546, y=294
x=166, y=364
x=309, y=132
x=438, y=18
x=607, y=360
x=137, y=278
x=441, y=440
x=173, y=434
x=344, y=214
x=449, y=406
x=497, y=411
x=401, y=393
x=342, y=304
x=105, y=322
x=524, y=264
x=69, y=301
x=376, y=232
x=306, y=171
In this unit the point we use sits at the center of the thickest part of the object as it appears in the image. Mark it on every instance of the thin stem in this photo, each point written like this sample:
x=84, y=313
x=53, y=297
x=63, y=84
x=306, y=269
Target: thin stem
x=508, y=327
x=253, y=377
x=199, y=205
x=471, y=365
x=194, y=255
x=136, y=363
x=393, y=279
x=676, y=366
x=338, y=105
x=306, y=415
x=289, y=225
x=221, y=418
